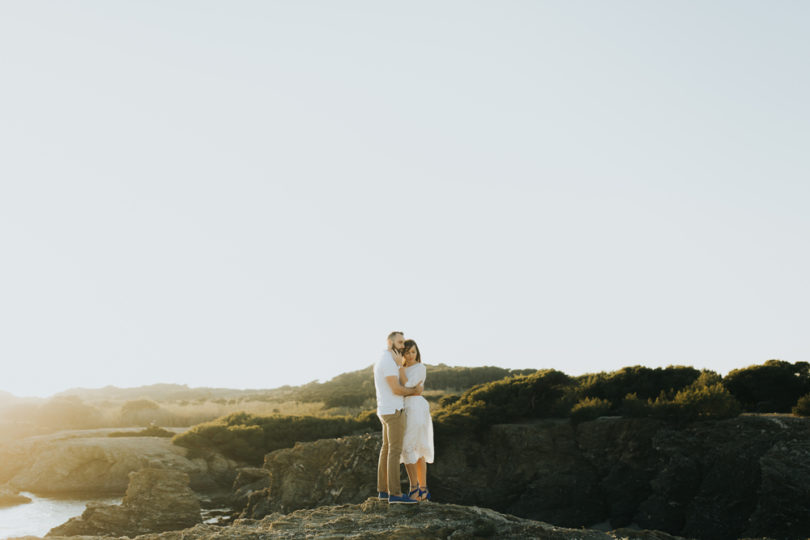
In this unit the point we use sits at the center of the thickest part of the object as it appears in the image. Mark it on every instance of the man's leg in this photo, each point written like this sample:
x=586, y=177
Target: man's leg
x=382, y=464
x=396, y=430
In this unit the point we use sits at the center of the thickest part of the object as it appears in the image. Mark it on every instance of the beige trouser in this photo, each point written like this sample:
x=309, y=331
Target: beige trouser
x=393, y=429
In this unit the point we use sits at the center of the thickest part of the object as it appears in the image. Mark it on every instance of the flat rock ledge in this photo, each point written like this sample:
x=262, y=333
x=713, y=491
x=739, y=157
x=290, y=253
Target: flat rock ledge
x=377, y=520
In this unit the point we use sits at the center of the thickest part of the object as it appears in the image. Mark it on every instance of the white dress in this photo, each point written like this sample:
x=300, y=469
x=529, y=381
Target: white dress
x=418, y=439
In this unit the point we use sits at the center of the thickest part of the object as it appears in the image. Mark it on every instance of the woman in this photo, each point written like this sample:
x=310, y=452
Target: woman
x=417, y=443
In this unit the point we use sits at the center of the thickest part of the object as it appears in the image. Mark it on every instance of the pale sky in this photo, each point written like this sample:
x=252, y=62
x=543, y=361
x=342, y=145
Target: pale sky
x=252, y=194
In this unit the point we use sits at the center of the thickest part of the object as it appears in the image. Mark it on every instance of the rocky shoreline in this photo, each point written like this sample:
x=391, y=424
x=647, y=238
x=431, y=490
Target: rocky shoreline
x=90, y=462
x=743, y=477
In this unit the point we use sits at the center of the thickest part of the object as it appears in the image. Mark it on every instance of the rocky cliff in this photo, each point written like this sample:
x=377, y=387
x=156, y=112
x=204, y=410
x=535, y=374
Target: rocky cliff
x=748, y=476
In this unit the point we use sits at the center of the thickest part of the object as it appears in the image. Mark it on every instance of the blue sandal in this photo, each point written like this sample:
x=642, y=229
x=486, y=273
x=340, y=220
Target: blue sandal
x=417, y=491
x=424, y=492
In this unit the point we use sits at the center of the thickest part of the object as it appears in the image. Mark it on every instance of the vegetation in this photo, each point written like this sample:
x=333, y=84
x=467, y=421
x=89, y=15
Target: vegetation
x=357, y=387
x=151, y=431
x=696, y=402
x=802, y=407
x=774, y=386
x=246, y=424
x=246, y=437
x=674, y=393
x=646, y=383
x=589, y=408
x=542, y=394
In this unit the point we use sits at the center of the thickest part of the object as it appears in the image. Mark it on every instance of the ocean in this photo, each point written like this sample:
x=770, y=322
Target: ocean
x=44, y=513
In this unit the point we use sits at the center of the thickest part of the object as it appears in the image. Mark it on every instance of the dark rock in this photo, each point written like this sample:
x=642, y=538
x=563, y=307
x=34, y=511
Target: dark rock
x=783, y=507
x=156, y=500
x=708, y=484
x=622, y=454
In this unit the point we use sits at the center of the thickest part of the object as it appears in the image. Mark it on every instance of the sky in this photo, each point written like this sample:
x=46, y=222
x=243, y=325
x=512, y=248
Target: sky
x=252, y=194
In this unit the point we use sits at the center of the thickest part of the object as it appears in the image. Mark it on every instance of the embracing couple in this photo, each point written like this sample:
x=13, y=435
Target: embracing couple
x=407, y=429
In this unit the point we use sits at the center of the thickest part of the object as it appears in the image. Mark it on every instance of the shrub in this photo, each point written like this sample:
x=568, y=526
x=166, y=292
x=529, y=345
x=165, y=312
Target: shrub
x=802, y=407
x=539, y=395
x=697, y=402
x=449, y=399
x=589, y=409
x=774, y=386
x=246, y=437
x=633, y=407
x=646, y=383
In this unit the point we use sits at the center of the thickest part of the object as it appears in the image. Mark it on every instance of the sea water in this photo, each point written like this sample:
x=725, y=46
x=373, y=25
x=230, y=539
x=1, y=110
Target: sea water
x=42, y=514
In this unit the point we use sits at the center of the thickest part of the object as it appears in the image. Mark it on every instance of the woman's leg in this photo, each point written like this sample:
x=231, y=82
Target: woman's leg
x=421, y=472
x=413, y=478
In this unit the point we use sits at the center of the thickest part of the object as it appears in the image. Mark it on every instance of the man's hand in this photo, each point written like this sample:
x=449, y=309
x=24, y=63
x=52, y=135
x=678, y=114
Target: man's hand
x=418, y=389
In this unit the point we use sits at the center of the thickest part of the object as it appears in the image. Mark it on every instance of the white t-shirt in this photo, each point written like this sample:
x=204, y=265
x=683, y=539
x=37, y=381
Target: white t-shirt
x=387, y=401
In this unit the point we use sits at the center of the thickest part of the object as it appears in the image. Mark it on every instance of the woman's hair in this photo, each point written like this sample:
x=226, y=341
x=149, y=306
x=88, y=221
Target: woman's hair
x=411, y=343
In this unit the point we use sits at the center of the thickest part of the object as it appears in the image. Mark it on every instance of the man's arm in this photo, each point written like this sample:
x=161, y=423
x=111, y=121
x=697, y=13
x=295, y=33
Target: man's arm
x=400, y=390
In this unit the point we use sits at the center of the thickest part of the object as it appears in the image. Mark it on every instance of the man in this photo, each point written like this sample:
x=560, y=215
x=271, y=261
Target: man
x=390, y=408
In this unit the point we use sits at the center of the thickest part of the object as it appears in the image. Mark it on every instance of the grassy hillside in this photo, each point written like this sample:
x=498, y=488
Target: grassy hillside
x=175, y=405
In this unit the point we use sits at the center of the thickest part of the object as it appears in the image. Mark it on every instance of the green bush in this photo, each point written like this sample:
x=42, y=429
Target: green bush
x=774, y=386
x=462, y=378
x=646, y=383
x=697, y=402
x=589, y=409
x=246, y=437
x=448, y=399
x=633, y=407
x=539, y=395
x=802, y=407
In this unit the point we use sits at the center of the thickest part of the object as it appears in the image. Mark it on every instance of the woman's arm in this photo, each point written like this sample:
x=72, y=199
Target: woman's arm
x=402, y=378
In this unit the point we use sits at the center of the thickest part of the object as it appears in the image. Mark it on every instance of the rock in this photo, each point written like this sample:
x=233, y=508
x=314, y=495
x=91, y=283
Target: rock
x=624, y=461
x=248, y=480
x=784, y=492
x=9, y=497
x=156, y=500
x=324, y=472
x=375, y=520
x=91, y=462
x=710, y=478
